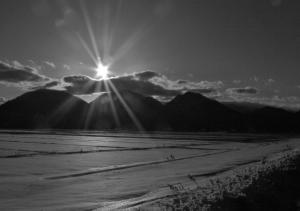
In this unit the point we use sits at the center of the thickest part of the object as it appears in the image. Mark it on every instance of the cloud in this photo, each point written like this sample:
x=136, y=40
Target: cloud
x=67, y=67
x=2, y=100
x=48, y=85
x=185, y=85
x=80, y=84
x=236, y=81
x=148, y=83
x=51, y=64
x=255, y=79
x=243, y=91
x=146, y=75
x=289, y=102
x=16, y=74
x=269, y=82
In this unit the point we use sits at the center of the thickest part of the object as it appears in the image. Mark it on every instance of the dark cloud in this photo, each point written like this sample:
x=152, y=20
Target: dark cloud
x=203, y=91
x=17, y=73
x=146, y=75
x=48, y=85
x=245, y=90
x=146, y=83
x=182, y=81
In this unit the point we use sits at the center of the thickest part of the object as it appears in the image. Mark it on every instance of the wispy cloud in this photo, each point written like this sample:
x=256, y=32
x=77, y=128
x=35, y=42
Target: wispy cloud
x=236, y=81
x=50, y=64
x=67, y=67
x=242, y=91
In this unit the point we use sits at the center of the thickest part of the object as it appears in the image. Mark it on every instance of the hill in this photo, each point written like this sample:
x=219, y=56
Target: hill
x=43, y=109
x=128, y=110
x=194, y=112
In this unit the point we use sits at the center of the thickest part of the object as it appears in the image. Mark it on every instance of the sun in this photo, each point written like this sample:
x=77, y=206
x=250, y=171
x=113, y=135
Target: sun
x=102, y=71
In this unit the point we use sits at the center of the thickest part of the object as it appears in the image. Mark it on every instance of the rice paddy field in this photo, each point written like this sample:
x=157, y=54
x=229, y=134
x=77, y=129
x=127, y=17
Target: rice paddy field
x=80, y=170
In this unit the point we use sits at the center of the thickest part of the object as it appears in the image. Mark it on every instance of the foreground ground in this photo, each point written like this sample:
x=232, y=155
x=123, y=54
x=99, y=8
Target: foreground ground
x=85, y=170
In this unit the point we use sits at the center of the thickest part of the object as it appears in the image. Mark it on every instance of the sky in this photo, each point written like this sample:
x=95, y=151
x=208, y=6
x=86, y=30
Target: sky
x=228, y=50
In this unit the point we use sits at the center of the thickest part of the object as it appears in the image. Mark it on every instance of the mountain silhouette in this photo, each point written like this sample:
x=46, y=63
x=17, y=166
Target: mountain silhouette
x=194, y=112
x=127, y=110
x=271, y=119
x=243, y=107
x=43, y=109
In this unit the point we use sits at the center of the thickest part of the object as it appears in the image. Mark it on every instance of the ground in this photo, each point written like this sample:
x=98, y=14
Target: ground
x=70, y=170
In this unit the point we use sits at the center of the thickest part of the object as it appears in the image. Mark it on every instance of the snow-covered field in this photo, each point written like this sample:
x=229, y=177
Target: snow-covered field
x=62, y=170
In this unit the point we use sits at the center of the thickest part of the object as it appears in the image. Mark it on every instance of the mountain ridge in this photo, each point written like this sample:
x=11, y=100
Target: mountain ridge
x=190, y=111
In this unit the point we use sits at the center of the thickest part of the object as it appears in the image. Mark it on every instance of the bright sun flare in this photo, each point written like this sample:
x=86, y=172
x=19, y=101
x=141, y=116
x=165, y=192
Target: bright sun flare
x=102, y=70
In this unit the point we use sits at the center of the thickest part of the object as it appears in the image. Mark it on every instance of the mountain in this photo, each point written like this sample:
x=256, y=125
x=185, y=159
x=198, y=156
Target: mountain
x=194, y=112
x=243, y=107
x=272, y=119
x=43, y=109
x=132, y=111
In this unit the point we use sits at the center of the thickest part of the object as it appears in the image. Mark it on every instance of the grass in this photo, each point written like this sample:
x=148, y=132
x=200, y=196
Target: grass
x=271, y=184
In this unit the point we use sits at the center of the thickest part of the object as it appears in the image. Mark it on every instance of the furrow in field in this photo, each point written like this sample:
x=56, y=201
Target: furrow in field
x=127, y=166
x=43, y=153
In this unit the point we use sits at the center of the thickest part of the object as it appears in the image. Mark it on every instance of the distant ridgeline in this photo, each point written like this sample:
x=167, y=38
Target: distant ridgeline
x=52, y=109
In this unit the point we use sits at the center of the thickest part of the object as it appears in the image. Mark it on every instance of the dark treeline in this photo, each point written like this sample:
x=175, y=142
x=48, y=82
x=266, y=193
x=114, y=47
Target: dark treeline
x=51, y=109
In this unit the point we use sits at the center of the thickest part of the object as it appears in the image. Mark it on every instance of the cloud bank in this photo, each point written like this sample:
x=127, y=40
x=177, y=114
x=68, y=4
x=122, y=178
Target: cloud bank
x=243, y=91
x=147, y=83
x=19, y=75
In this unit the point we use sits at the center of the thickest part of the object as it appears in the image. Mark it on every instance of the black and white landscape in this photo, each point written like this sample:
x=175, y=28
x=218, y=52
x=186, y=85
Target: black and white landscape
x=149, y=105
x=188, y=112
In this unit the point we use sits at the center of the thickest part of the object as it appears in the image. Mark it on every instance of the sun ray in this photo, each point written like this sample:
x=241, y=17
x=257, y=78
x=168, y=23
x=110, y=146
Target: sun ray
x=92, y=108
x=86, y=47
x=102, y=68
x=112, y=104
x=126, y=107
x=63, y=108
x=131, y=41
x=90, y=29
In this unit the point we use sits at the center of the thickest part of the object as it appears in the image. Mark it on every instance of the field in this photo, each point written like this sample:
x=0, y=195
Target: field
x=71, y=170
